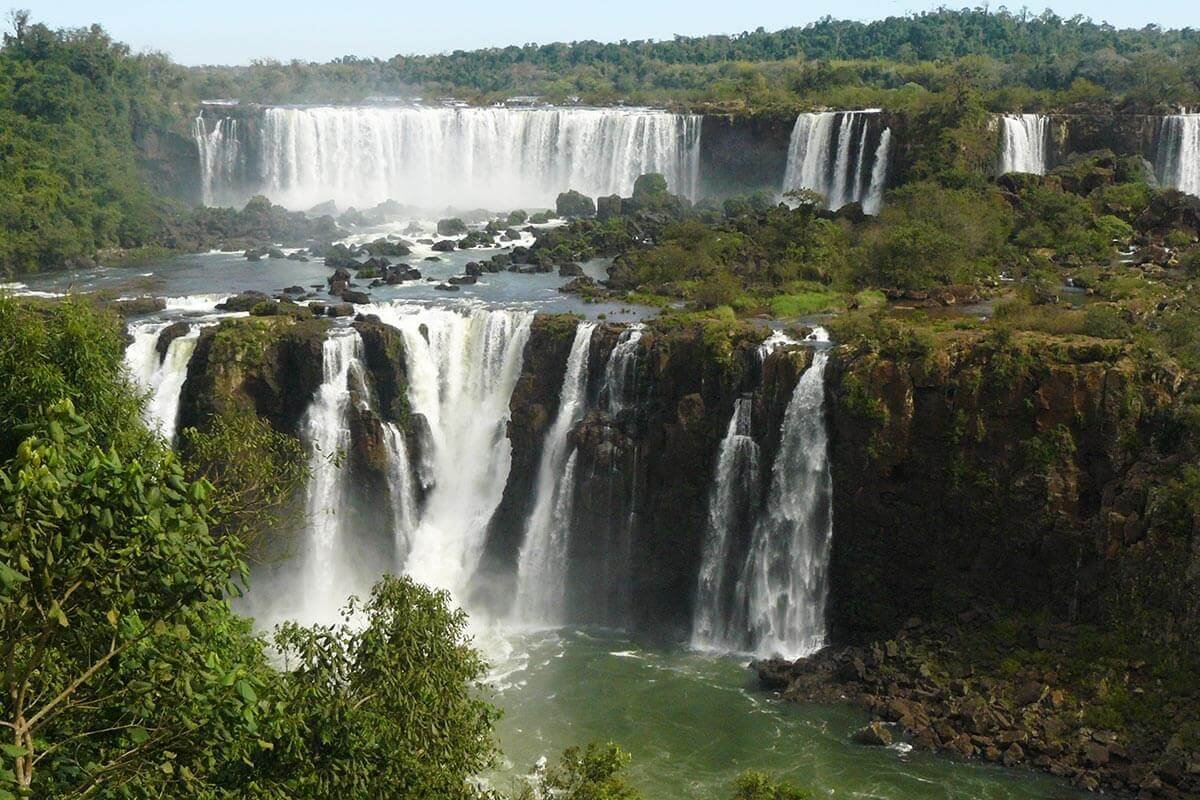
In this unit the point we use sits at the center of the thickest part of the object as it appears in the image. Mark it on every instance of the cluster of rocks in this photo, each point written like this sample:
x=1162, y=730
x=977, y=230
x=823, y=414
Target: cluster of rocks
x=1023, y=719
x=955, y=295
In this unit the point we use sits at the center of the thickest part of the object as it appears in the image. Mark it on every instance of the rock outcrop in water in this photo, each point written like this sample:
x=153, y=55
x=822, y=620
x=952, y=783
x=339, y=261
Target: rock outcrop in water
x=270, y=366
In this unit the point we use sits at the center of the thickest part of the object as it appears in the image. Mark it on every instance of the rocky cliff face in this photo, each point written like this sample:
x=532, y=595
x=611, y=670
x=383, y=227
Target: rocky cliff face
x=644, y=465
x=741, y=154
x=270, y=366
x=1003, y=473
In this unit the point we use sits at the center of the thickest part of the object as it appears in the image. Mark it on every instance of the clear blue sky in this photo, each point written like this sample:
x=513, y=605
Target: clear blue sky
x=235, y=32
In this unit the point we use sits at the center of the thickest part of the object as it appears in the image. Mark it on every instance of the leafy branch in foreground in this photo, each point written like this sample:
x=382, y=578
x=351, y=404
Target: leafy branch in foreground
x=257, y=472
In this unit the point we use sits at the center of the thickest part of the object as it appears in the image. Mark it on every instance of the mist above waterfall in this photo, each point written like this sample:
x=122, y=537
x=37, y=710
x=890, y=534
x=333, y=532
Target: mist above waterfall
x=438, y=157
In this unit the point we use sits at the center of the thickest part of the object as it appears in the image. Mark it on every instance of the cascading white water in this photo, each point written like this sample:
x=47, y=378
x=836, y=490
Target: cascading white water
x=879, y=173
x=462, y=366
x=1024, y=140
x=326, y=432
x=828, y=154
x=620, y=375
x=462, y=157
x=403, y=490
x=542, y=564
x=1178, y=157
x=161, y=377
x=219, y=151
x=735, y=482
x=783, y=584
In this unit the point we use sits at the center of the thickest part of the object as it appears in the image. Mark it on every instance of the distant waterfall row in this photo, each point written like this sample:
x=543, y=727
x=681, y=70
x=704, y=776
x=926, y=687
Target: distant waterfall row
x=841, y=155
x=436, y=157
x=1026, y=146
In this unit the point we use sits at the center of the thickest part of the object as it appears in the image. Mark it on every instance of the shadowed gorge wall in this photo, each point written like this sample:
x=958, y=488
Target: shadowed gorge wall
x=1014, y=475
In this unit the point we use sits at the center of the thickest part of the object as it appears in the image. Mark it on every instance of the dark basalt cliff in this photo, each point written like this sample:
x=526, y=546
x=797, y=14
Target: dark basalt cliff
x=270, y=366
x=1014, y=474
x=1017, y=472
x=644, y=469
x=741, y=154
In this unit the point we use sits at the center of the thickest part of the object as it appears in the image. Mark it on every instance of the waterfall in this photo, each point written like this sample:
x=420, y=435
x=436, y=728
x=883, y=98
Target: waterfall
x=879, y=173
x=462, y=157
x=220, y=153
x=1023, y=143
x=783, y=583
x=620, y=375
x=828, y=155
x=542, y=564
x=326, y=431
x=161, y=377
x=403, y=490
x=1178, y=157
x=734, y=488
x=462, y=366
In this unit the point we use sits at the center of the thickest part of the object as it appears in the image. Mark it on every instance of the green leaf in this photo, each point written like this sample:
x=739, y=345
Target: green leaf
x=13, y=750
x=138, y=735
x=246, y=691
x=9, y=576
x=56, y=613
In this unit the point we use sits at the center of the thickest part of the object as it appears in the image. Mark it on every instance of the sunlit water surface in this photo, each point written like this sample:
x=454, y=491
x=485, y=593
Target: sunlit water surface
x=692, y=723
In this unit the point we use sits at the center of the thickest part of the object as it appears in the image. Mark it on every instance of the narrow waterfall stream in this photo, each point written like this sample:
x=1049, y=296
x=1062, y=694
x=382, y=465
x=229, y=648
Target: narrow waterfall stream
x=542, y=565
x=734, y=487
x=1178, y=158
x=1024, y=140
x=462, y=366
x=161, y=376
x=325, y=429
x=620, y=374
x=783, y=585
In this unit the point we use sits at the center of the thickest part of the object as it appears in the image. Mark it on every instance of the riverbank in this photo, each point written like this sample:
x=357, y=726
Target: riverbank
x=1067, y=700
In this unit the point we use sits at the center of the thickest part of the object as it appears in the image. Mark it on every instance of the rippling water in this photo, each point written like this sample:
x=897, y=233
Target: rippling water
x=692, y=723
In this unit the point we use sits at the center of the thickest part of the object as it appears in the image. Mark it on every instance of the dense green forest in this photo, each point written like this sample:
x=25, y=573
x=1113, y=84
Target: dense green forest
x=1027, y=61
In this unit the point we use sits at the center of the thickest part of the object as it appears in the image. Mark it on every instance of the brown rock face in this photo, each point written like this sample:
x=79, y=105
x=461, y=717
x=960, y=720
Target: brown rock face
x=270, y=366
x=644, y=465
x=989, y=472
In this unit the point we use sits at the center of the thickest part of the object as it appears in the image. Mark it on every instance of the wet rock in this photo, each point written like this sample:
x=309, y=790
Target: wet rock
x=875, y=734
x=340, y=310
x=351, y=296
x=452, y=226
x=445, y=246
x=1014, y=755
x=168, y=335
x=608, y=207
x=138, y=306
x=244, y=301
x=574, y=204
x=446, y=287
x=570, y=271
